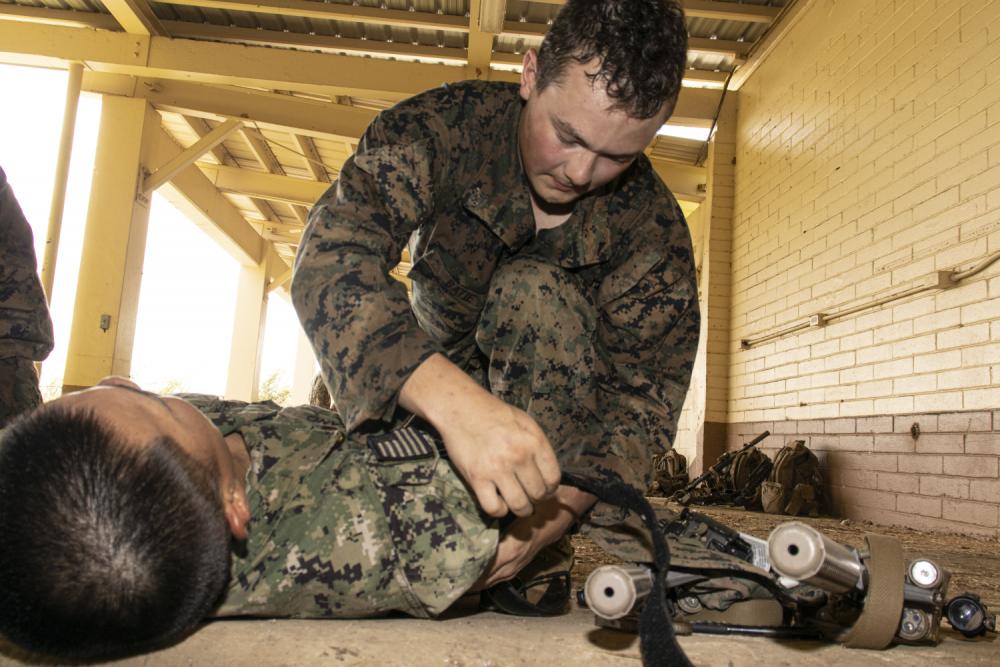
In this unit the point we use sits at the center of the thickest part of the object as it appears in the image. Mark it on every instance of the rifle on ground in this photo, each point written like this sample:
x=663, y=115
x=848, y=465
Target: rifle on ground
x=716, y=472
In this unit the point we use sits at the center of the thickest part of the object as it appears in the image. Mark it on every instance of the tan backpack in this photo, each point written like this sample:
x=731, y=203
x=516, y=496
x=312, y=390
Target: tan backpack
x=795, y=485
x=748, y=470
x=670, y=471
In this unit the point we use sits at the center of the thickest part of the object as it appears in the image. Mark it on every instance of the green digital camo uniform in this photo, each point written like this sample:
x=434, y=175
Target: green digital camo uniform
x=334, y=531
x=591, y=327
x=25, y=327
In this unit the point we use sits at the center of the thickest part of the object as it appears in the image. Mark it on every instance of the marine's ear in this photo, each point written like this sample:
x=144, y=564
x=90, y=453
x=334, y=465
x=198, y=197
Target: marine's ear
x=529, y=73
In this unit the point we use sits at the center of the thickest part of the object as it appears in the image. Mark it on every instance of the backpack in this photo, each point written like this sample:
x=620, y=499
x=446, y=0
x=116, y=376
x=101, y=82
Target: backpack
x=670, y=471
x=747, y=472
x=795, y=485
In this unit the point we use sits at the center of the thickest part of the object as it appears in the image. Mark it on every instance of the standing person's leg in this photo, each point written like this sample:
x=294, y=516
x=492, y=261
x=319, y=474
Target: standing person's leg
x=25, y=326
x=538, y=334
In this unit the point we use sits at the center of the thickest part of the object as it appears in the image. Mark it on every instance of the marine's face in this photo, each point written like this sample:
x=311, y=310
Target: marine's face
x=571, y=138
x=140, y=417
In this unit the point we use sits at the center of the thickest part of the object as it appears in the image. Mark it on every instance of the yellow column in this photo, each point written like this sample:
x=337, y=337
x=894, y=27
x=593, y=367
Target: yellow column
x=716, y=278
x=114, y=245
x=248, y=333
x=305, y=370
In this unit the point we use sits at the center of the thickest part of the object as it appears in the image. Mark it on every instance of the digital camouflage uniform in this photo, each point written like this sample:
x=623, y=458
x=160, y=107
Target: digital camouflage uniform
x=25, y=327
x=336, y=532
x=591, y=327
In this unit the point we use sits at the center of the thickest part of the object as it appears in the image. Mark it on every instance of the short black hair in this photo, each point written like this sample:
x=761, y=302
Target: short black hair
x=105, y=549
x=641, y=45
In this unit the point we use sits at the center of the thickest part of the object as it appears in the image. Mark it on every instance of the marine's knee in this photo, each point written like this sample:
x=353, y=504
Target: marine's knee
x=531, y=287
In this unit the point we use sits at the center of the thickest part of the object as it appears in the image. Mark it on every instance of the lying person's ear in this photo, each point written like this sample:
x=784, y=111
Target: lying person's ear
x=237, y=511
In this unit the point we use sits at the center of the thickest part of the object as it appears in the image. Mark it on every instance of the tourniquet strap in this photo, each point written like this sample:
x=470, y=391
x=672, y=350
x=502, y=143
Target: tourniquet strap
x=879, y=619
x=657, y=641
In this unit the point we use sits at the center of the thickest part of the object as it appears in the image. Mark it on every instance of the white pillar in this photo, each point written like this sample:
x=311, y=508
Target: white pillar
x=243, y=380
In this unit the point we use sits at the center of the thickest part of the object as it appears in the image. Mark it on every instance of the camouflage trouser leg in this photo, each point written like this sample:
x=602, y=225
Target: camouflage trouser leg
x=18, y=388
x=538, y=332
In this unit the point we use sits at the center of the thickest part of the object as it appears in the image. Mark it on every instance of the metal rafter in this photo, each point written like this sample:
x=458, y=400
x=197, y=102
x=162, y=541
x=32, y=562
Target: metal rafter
x=200, y=127
x=266, y=186
x=335, y=12
x=312, y=158
x=265, y=156
x=712, y=9
x=135, y=16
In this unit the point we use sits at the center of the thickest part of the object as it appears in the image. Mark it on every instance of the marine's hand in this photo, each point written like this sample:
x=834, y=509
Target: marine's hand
x=498, y=449
x=503, y=455
x=526, y=536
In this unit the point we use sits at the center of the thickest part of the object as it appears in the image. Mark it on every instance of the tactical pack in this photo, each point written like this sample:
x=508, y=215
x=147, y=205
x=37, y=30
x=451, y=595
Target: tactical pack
x=746, y=474
x=670, y=472
x=795, y=484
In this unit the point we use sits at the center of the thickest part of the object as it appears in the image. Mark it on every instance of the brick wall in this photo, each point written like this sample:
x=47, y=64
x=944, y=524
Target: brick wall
x=868, y=156
x=945, y=478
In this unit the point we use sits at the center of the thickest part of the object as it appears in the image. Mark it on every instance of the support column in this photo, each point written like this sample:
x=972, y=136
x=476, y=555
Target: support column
x=305, y=370
x=243, y=380
x=717, y=281
x=114, y=246
x=54, y=230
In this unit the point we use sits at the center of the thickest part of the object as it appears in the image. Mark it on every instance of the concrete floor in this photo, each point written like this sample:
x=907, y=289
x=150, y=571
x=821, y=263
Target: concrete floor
x=492, y=640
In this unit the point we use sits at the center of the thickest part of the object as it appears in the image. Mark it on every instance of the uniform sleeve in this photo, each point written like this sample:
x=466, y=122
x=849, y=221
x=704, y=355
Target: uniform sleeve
x=25, y=326
x=356, y=316
x=649, y=325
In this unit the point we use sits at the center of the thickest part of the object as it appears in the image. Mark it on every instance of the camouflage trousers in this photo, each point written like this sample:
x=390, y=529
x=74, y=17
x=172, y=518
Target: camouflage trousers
x=18, y=388
x=25, y=326
x=537, y=333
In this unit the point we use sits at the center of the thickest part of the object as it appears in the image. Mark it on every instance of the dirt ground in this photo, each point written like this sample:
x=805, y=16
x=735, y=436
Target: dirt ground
x=974, y=562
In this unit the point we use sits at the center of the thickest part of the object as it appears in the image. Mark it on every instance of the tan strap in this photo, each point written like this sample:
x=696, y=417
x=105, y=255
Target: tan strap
x=879, y=619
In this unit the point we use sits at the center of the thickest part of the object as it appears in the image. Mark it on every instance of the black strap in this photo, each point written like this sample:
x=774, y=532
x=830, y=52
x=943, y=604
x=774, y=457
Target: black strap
x=657, y=640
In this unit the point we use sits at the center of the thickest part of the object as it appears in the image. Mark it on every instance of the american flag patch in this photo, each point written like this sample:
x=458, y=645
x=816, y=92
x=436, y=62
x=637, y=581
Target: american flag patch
x=405, y=444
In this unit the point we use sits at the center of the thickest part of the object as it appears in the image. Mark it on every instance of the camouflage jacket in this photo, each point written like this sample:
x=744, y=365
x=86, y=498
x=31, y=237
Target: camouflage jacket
x=441, y=173
x=25, y=327
x=336, y=532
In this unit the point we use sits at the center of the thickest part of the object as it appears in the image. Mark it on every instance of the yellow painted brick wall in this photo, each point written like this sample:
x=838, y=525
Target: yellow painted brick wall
x=868, y=156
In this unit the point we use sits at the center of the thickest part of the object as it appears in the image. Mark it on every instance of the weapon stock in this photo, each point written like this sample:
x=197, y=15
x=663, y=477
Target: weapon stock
x=719, y=468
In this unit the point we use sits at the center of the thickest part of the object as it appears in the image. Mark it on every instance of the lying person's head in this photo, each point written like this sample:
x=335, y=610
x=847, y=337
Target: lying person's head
x=116, y=510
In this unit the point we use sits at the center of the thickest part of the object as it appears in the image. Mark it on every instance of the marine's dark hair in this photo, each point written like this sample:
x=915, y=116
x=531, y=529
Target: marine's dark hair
x=105, y=549
x=641, y=45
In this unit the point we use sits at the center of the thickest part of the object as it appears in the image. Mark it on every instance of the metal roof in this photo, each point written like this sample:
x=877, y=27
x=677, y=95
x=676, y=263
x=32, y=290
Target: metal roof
x=722, y=34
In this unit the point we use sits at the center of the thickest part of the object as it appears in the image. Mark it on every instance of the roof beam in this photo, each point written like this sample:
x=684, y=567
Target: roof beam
x=685, y=181
x=265, y=156
x=201, y=128
x=273, y=110
x=709, y=9
x=251, y=66
x=730, y=11
x=190, y=155
x=59, y=17
x=195, y=196
x=480, y=51
x=211, y=62
x=732, y=48
x=314, y=163
x=308, y=41
x=335, y=12
x=135, y=16
x=266, y=186
x=793, y=12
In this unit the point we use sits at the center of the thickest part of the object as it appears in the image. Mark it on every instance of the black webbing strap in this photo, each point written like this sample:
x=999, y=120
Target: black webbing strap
x=657, y=641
